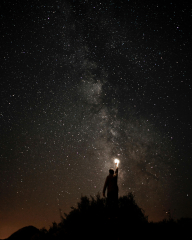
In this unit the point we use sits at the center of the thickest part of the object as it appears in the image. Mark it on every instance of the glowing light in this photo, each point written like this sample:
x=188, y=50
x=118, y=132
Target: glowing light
x=117, y=161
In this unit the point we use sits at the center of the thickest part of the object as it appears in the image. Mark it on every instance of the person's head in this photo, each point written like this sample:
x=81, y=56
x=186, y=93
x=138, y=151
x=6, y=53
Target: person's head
x=111, y=171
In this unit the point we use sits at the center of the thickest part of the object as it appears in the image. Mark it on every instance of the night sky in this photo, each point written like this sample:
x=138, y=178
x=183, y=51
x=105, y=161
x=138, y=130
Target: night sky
x=83, y=83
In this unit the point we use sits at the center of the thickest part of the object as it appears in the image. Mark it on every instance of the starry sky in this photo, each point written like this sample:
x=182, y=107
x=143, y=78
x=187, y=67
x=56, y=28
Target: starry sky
x=83, y=83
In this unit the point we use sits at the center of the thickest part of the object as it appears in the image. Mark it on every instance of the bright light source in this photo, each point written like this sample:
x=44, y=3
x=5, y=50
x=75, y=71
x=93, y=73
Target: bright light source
x=117, y=162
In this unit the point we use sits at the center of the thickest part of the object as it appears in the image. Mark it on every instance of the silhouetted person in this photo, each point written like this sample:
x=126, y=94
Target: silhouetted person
x=112, y=189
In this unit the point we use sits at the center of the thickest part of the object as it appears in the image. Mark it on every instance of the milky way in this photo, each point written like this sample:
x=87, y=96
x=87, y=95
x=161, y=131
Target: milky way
x=83, y=83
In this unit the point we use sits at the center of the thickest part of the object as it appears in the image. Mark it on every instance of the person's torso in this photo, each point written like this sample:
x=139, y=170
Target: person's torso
x=112, y=183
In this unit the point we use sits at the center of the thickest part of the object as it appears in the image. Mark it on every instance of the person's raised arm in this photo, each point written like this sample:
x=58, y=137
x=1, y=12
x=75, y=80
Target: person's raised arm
x=116, y=170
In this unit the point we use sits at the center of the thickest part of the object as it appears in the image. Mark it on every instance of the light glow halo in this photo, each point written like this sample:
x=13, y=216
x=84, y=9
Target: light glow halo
x=117, y=161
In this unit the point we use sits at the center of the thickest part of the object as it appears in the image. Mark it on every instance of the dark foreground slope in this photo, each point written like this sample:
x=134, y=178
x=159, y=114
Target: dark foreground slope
x=26, y=233
x=93, y=219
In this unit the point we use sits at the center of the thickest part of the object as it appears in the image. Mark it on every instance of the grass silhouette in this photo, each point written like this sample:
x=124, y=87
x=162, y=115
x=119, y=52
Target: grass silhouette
x=93, y=219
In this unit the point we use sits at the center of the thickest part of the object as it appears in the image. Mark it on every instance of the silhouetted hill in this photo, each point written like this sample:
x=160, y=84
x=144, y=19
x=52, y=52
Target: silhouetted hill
x=93, y=219
x=26, y=233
